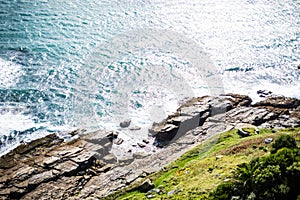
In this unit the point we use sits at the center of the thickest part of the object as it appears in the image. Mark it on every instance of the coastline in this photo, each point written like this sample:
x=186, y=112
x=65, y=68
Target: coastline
x=86, y=167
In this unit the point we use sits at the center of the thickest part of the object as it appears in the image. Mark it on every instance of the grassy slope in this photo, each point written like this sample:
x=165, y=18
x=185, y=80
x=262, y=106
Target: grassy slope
x=198, y=171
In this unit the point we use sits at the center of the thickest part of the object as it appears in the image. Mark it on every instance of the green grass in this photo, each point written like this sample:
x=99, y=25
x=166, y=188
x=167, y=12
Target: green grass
x=198, y=172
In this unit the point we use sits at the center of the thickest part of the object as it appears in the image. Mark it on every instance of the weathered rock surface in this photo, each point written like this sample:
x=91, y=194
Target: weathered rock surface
x=231, y=109
x=146, y=186
x=125, y=123
x=50, y=168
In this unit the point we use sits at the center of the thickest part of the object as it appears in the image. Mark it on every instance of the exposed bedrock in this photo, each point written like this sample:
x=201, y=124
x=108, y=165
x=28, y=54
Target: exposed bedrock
x=272, y=112
x=87, y=168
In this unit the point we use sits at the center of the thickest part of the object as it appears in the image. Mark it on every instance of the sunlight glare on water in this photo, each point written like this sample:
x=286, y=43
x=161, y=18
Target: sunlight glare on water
x=45, y=45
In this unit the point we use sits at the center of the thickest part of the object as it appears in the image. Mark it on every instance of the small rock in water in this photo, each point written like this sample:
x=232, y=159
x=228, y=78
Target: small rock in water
x=125, y=123
x=112, y=136
x=268, y=140
x=146, y=141
x=76, y=132
x=141, y=145
x=264, y=93
x=118, y=141
x=135, y=128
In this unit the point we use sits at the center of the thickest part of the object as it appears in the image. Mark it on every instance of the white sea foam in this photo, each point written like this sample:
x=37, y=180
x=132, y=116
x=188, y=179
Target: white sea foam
x=9, y=73
x=18, y=122
x=12, y=124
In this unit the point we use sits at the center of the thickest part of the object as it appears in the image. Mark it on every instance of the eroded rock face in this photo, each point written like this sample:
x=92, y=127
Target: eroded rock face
x=234, y=109
x=192, y=115
x=35, y=170
x=49, y=168
x=279, y=102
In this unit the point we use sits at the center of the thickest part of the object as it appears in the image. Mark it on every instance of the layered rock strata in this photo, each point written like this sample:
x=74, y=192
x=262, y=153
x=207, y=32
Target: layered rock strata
x=86, y=167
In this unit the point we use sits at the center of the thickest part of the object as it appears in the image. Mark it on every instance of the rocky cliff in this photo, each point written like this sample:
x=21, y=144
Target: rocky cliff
x=88, y=167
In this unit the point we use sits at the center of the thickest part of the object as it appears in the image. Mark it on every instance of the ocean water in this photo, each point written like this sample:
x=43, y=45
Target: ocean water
x=90, y=64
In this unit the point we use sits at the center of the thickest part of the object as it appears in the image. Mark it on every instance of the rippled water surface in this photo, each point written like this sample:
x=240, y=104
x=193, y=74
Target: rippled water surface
x=69, y=64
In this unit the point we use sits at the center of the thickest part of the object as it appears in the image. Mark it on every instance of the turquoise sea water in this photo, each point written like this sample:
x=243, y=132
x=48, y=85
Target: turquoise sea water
x=52, y=77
